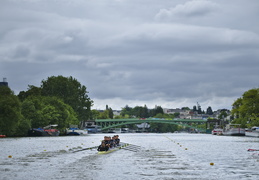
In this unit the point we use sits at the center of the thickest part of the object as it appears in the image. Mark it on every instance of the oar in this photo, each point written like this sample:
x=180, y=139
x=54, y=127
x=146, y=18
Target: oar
x=127, y=149
x=131, y=148
x=86, y=149
x=136, y=147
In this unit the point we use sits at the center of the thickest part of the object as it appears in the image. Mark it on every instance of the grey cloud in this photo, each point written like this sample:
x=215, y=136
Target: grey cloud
x=198, y=51
x=189, y=9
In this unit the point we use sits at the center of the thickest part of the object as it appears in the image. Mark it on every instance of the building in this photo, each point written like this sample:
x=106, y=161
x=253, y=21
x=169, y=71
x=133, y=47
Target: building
x=4, y=83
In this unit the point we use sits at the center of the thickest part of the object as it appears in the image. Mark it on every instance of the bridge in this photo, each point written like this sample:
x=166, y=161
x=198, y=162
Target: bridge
x=106, y=124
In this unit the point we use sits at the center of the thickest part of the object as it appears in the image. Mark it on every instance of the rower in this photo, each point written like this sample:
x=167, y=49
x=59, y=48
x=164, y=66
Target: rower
x=103, y=147
x=117, y=140
x=113, y=141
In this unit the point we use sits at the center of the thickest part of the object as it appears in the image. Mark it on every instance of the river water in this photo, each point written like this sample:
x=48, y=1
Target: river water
x=151, y=156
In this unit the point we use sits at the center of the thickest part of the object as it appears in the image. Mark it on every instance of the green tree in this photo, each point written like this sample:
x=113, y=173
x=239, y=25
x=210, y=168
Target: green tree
x=185, y=108
x=94, y=114
x=42, y=111
x=32, y=91
x=163, y=127
x=156, y=110
x=246, y=109
x=10, y=111
x=104, y=115
x=110, y=113
x=177, y=115
x=71, y=92
x=126, y=111
x=23, y=126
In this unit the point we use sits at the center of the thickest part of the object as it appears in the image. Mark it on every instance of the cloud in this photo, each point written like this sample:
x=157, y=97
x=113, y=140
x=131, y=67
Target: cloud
x=190, y=9
x=195, y=51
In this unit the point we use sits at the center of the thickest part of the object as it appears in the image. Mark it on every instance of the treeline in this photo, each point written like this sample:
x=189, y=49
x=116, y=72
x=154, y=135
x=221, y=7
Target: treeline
x=59, y=100
x=64, y=101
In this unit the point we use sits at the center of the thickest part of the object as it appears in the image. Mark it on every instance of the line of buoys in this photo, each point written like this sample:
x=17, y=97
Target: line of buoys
x=175, y=142
x=211, y=164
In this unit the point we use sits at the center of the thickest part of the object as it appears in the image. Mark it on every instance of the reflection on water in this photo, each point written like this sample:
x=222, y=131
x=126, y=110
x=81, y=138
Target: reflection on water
x=150, y=156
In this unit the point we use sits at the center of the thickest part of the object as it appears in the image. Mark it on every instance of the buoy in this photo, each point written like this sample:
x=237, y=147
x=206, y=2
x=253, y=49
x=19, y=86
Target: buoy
x=45, y=150
x=211, y=164
x=10, y=156
x=185, y=148
x=180, y=145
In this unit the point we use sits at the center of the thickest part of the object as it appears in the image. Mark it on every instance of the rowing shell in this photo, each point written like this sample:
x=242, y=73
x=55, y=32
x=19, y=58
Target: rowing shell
x=113, y=149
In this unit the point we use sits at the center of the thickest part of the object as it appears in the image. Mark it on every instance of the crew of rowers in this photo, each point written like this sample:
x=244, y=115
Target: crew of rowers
x=109, y=142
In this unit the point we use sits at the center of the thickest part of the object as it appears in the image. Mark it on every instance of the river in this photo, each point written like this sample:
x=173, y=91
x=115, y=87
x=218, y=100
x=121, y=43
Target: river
x=150, y=157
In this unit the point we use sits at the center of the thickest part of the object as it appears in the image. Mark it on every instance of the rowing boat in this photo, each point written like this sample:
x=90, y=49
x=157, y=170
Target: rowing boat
x=122, y=145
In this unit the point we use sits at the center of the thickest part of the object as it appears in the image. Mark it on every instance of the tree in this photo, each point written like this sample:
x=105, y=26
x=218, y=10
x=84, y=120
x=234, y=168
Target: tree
x=32, y=91
x=194, y=109
x=42, y=111
x=71, y=92
x=185, y=108
x=163, y=127
x=126, y=111
x=104, y=115
x=140, y=112
x=94, y=114
x=10, y=111
x=199, y=110
x=209, y=111
x=110, y=113
x=246, y=109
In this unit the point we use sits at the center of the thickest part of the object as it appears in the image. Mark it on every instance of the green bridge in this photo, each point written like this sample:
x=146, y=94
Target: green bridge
x=106, y=124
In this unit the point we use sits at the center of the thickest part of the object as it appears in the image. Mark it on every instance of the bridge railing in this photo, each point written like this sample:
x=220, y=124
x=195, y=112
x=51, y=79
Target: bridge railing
x=152, y=119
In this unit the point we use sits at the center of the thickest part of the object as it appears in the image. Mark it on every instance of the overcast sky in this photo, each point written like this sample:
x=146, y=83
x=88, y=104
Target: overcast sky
x=171, y=53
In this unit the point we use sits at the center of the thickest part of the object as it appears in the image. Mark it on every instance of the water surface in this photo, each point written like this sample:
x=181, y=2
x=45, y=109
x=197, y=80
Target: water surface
x=152, y=156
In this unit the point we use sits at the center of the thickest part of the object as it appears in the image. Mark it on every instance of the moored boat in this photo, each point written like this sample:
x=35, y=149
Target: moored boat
x=217, y=131
x=93, y=129
x=46, y=131
x=253, y=132
x=76, y=132
x=2, y=136
x=234, y=130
